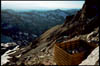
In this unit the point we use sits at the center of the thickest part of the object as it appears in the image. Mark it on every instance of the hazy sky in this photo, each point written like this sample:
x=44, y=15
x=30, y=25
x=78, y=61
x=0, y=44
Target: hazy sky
x=30, y=5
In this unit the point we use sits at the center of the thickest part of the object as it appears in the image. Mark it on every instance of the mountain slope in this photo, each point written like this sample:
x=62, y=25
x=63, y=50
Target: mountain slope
x=79, y=25
x=29, y=25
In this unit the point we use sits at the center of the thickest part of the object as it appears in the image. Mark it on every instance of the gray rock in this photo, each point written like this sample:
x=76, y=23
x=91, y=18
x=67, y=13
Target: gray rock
x=92, y=59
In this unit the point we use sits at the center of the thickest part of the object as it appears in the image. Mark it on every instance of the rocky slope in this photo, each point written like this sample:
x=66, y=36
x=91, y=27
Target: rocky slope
x=83, y=25
x=93, y=58
x=7, y=46
x=5, y=57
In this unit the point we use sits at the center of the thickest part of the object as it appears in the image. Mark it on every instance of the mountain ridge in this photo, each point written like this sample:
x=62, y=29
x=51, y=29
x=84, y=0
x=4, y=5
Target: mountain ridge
x=84, y=25
x=15, y=22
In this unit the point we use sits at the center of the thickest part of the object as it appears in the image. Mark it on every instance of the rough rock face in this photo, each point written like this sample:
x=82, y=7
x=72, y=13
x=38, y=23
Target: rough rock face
x=5, y=56
x=93, y=58
x=80, y=25
x=7, y=46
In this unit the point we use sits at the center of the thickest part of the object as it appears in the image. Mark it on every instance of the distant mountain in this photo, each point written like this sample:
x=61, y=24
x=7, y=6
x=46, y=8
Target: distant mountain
x=80, y=32
x=32, y=22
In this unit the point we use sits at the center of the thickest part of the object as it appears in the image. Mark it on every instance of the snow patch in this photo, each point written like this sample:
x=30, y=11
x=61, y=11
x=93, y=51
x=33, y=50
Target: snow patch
x=5, y=57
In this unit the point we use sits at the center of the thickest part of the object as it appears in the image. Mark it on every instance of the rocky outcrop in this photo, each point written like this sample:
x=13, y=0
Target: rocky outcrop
x=5, y=57
x=7, y=46
x=80, y=25
x=93, y=58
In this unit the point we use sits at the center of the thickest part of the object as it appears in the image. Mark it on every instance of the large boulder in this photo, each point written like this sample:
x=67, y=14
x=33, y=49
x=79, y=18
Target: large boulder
x=92, y=59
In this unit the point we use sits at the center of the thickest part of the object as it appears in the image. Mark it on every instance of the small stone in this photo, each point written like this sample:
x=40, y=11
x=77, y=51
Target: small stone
x=42, y=50
x=65, y=36
x=41, y=56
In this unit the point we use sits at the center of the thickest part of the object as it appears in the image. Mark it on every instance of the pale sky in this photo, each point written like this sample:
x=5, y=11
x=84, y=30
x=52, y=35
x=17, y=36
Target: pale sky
x=31, y=5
